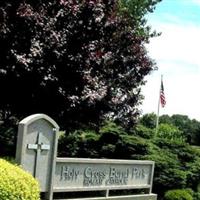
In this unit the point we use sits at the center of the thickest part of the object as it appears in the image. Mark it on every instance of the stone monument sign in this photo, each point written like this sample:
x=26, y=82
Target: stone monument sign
x=36, y=153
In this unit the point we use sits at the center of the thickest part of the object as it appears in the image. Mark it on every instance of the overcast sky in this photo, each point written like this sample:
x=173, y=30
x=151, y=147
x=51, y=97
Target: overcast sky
x=177, y=54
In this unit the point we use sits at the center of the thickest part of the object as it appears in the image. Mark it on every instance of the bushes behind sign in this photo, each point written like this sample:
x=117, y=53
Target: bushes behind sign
x=179, y=194
x=16, y=183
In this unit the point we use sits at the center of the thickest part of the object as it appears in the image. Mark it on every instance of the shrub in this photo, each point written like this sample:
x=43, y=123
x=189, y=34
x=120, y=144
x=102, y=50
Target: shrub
x=79, y=143
x=168, y=173
x=179, y=194
x=17, y=184
x=196, y=196
x=144, y=132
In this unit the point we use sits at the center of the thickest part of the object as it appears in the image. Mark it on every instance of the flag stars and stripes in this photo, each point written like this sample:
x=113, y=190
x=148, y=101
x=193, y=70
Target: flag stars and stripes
x=162, y=95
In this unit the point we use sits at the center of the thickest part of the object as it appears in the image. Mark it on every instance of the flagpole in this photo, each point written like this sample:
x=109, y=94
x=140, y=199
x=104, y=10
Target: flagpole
x=158, y=110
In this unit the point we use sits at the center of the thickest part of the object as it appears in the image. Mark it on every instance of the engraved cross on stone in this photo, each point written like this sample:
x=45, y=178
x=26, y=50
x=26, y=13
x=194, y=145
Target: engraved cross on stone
x=38, y=147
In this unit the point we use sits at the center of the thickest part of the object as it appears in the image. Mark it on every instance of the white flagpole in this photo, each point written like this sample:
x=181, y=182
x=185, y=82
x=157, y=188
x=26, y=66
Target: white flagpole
x=158, y=110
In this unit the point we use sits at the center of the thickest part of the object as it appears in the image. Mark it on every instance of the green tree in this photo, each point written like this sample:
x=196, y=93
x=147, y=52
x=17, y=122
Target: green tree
x=137, y=11
x=194, y=133
x=165, y=119
x=182, y=122
x=190, y=128
x=170, y=132
x=148, y=120
x=142, y=131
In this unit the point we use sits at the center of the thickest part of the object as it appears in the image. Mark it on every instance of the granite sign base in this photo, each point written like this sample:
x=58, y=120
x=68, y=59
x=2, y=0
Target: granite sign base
x=129, y=197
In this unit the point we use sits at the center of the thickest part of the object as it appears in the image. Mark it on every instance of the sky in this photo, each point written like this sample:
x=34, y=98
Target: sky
x=177, y=54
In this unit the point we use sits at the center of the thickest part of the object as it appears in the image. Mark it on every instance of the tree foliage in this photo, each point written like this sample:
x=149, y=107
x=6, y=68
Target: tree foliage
x=77, y=61
x=148, y=120
x=143, y=131
x=137, y=11
x=112, y=141
x=188, y=129
x=170, y=132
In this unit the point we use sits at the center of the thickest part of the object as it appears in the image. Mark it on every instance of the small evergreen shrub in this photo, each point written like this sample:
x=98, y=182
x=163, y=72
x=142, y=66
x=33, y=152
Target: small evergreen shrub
x=16, y=184
x=179, y=194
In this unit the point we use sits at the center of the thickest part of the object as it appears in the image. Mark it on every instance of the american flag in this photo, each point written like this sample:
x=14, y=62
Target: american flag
x=162, y=95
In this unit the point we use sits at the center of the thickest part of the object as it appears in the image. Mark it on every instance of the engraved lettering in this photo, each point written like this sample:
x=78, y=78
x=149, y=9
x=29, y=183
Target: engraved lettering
x=138, y=173
x=93, y=177
x=92, y=181
x=117, y=176
x=68, y=174
x=116, y=181
x=90, y=173
x=102, y=175
x=116, y=173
